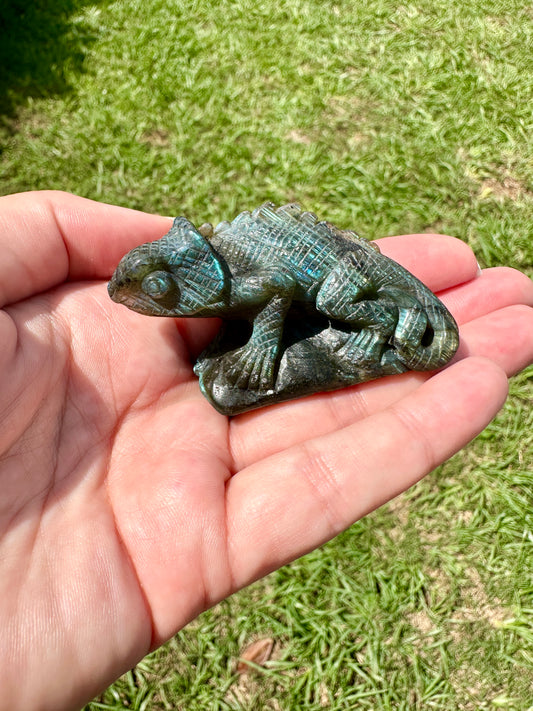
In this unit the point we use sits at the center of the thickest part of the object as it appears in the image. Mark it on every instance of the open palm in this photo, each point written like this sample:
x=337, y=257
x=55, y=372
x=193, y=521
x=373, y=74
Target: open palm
x=128, y=504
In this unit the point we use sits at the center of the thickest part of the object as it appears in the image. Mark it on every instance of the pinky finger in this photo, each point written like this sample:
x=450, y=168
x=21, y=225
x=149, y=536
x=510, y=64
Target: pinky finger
x=8, y=340
x=291, y=502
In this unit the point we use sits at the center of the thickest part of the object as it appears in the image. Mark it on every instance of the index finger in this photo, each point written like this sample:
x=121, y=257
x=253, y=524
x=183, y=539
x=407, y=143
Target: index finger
x=49, y=237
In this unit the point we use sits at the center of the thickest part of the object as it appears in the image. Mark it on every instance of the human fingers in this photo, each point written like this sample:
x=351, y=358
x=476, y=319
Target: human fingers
x=439, y=261
x=48, y=237
x=291, y=502
x=504, y=335
x=491, y=290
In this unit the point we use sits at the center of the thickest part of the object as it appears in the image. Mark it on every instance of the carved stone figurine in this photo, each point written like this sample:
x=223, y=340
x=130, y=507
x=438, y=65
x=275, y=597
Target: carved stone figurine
x=306, y=306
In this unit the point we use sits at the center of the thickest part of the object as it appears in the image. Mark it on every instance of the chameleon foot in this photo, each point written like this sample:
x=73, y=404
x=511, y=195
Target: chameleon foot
x=251, y=368
x=364, y=348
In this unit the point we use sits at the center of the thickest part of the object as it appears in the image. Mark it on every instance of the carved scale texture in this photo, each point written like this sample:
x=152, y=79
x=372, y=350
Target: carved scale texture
x=287, y=238
x=308, y=306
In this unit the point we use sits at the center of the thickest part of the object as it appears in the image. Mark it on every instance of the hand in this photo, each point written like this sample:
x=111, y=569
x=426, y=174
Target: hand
x=129, y=505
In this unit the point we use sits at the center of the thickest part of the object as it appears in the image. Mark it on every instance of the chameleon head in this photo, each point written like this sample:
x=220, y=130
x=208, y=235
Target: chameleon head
x=178, y=275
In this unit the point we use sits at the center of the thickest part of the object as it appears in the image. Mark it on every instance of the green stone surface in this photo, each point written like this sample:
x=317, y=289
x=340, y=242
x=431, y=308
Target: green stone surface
x=307, y=307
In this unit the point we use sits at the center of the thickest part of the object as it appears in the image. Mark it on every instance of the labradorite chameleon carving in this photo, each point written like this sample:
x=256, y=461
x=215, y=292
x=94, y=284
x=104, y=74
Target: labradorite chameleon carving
x=306, y=306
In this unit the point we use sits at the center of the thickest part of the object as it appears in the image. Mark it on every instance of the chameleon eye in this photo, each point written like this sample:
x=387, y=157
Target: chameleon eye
x=158, y=284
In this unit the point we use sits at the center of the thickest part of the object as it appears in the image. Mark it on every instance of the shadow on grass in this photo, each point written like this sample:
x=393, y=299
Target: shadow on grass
x=41, y=47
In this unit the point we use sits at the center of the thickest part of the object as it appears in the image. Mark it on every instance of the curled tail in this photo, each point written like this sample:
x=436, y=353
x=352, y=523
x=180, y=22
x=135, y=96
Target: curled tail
x=426, y=335
x=434, y=345
x=371, y=291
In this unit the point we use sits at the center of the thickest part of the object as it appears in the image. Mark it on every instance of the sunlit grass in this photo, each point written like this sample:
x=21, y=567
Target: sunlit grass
x=383, y=117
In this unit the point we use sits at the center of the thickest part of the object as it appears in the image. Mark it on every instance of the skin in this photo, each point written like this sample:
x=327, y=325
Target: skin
x=129, y=505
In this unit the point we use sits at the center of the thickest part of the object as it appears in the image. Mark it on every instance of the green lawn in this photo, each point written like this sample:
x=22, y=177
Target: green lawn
x=386, y=117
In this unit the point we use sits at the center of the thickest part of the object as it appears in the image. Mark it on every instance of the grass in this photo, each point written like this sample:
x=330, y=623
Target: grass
x=387, y=117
